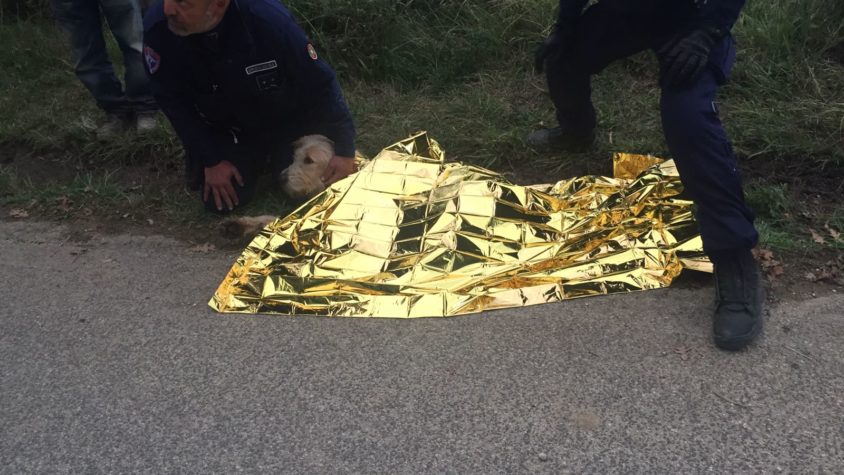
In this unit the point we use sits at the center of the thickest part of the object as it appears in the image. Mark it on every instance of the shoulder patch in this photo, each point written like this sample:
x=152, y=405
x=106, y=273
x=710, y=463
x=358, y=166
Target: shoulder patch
x=152, y=59
x=312, y=52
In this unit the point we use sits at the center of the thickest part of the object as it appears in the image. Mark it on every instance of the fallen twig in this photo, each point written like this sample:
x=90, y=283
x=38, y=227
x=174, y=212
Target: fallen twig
x=725, y=398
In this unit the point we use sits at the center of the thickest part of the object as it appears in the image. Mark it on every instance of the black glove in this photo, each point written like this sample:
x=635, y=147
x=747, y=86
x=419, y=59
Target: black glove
x=684, y=58
x=560, y=39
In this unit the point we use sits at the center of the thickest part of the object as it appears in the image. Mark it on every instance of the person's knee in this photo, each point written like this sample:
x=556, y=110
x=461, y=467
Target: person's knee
x=686, y=114
x=678, y=105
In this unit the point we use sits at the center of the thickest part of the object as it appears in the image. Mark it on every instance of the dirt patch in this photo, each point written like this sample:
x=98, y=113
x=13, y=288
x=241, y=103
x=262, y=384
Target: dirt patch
x=99, y=198
x=43, y=169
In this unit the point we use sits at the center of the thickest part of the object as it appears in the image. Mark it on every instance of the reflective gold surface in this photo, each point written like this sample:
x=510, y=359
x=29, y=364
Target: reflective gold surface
x=411, y=235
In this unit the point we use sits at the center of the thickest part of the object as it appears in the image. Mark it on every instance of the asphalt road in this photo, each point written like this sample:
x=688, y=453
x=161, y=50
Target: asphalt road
x=111, y=361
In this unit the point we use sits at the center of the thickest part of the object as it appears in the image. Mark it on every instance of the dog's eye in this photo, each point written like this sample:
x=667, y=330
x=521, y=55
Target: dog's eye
x=309, y=160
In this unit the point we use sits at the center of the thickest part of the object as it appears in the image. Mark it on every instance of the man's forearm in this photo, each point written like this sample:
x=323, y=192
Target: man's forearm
x=333, y=119
x=194, y=134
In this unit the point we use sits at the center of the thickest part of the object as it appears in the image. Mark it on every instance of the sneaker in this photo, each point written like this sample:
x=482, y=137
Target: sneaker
x=556, y=139
x=145, y=121
x=739, y=296
x=113, y=125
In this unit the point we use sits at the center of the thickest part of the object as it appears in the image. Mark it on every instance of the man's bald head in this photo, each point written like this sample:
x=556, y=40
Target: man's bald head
x=188, y=17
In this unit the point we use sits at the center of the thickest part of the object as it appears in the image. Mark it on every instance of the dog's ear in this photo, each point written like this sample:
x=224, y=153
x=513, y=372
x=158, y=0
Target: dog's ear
x=319, y=152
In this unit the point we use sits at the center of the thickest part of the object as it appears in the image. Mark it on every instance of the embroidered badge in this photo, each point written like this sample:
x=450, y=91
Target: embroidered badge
x=312, y=52
x=152, y=59
x=268, y=81
x=257, y=68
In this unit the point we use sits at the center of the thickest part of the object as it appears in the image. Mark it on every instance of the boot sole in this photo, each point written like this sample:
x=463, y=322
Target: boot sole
x=739, y=343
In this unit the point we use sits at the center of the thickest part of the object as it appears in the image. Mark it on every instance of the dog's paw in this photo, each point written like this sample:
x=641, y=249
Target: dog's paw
x=244, y=226
x=232, y=228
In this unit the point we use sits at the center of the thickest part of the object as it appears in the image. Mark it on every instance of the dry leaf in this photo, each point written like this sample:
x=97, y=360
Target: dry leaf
x=832, y=232
x=151, y=222
x=64, y=204
x=763, y=254
x=684, y=352
x=830, y=271
x=207, y=247
x=18, y=213
x=772, y=267
x=817, y=237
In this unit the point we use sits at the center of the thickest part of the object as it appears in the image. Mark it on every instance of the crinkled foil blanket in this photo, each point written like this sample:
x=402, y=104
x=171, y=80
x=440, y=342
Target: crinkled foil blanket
x=411, y=235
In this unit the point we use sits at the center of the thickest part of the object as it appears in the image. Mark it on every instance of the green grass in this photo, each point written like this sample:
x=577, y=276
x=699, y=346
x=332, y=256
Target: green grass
x=837, y=220
x=773, y=237
x=414, y=42
x=85, y=194
x=770, y=201
x=11, y=185
x=462, y=71
x=44, y=107
x=787, y=97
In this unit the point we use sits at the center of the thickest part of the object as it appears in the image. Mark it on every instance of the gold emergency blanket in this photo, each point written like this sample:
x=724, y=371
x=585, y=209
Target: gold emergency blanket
x=410, y=235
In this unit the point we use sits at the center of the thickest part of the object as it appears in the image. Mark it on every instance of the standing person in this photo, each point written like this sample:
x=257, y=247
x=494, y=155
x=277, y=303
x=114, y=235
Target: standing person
x=81, y=21
x=240, y=82
x=692, y=41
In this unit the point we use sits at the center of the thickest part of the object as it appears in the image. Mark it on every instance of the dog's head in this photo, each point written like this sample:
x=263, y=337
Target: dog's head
x=303, y=178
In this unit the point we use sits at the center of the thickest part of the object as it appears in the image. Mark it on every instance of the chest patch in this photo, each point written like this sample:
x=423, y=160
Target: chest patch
x=257, y=68
x=268, y=81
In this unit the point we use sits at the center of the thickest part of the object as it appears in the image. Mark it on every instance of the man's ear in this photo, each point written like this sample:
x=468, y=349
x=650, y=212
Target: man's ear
x=217, y=8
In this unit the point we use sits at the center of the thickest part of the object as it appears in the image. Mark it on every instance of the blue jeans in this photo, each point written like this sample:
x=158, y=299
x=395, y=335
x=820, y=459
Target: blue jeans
x=81, y=20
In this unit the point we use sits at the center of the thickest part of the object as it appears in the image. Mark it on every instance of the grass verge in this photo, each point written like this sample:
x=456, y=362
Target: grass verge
x=460, y=70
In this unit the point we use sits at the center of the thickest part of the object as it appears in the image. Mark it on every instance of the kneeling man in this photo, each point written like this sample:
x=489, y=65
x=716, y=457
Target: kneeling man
x=240, y=82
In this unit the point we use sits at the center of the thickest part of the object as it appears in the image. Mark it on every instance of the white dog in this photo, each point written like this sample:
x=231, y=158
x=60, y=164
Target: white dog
x=303, y=178
x=300, y=181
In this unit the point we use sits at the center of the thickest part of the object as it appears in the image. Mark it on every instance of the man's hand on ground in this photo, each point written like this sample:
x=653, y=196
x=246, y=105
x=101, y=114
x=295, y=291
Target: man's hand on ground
x=338, y=168
x=218, y=182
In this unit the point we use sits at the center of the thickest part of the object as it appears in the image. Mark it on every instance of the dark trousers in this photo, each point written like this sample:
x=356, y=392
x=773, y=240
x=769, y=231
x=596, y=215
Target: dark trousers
x=251, y=155
x=81, y=20
x=615, y=29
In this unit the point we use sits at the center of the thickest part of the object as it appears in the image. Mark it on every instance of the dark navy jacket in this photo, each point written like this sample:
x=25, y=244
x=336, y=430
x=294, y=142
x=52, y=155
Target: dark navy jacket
x=721, y=14
x=254, y=78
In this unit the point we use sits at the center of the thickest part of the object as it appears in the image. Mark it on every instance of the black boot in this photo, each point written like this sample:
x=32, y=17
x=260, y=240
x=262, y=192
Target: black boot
x=564, y=140
x=739, y=296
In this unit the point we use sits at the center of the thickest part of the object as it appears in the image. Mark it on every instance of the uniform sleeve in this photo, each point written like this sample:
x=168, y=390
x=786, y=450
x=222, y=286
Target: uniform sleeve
x=570, y=10
x=721, y=14
x=313, y=80
x=169, y=88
